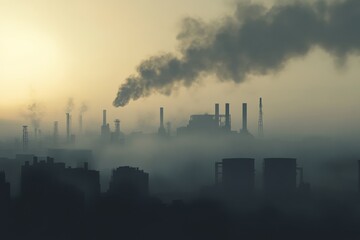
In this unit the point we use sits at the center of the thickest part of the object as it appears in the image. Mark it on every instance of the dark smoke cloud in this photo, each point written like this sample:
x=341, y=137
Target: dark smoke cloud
x=253, y=41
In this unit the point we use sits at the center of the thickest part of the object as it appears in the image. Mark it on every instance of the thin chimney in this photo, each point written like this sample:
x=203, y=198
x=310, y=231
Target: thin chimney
x=161, y=117
x=217, y=113
x=162, y=128
x=117, y=127
x=227, y=117
x=80, y=124
x=68, y=127
x=25, y=138
x=244, y=117
x=104, y=117
x=56, y=132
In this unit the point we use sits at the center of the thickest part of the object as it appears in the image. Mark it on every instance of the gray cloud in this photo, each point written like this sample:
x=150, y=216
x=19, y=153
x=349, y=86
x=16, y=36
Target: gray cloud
x=253, y=41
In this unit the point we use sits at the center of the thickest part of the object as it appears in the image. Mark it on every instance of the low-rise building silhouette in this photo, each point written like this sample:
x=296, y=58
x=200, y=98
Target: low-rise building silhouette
x=4, y=190
x=129, y=182
x=279, y=176
x=236, y=176
x=45, y=178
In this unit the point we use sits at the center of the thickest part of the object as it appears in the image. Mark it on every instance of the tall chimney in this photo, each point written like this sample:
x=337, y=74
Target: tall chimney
x=68, y=127
x=244, y=117
x=80, y=124
x=161, y=117
x=162, y=128
x=117, y=126
x=260, y=123
x=25, y=138
x=36, y=133
x=56, y=132
x=217, y=114
x=168, y=125
x=104, y=117
x=227, y=117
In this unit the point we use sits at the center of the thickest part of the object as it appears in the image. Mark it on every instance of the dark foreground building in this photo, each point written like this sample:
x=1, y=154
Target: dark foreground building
x=236, y=176
x=46, y=178
x=279, y=176
x=129, y=182
x=4, y=190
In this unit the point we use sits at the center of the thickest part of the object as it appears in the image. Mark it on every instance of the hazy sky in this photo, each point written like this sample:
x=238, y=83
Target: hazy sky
x=85, y=49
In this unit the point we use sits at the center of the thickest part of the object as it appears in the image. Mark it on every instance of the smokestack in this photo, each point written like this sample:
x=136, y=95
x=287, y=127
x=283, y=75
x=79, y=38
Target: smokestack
x=261, y=123
x=162, y=128
x=104, y=117
x=227, y=117
x=72, y=138
x=68, y=127
x=36, y=133
x=168, y=125
x=117, y=127
x=80, y=124
x=105, y=128
x=244, y=117
x=217, y=113
x=25, y=138
x=39, y=134
x=161, y=117
x=56, y=132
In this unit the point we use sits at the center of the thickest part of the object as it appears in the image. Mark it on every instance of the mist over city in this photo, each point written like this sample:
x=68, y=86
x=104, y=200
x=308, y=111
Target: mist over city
x=179, y=119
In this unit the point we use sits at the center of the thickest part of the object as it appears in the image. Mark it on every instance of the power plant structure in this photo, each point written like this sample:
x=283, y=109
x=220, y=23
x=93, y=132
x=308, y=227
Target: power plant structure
x=236, y=176
x=199, y=124
x=208, y=123
x=117, y=135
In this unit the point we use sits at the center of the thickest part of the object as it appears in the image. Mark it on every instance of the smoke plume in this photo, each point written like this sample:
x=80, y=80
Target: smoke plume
x=70, y=105
x=34, y=114
x=253, y=41
x=83, y=108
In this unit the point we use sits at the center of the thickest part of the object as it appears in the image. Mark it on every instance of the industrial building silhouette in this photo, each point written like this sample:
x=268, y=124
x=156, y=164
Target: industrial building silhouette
x=129, y=182
x=43, y=178
x=59, y=195
x=4, y=190
x=279, y=176
x=236, y=176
